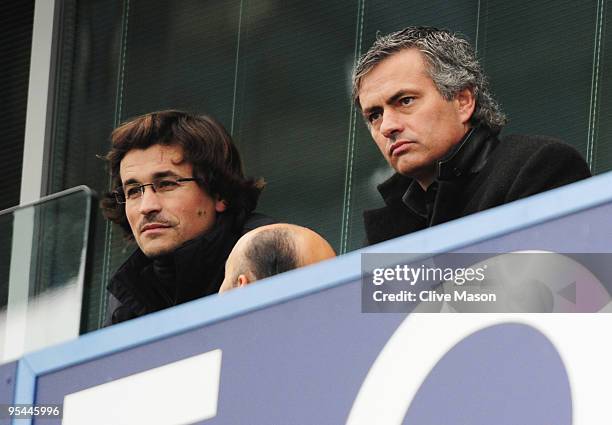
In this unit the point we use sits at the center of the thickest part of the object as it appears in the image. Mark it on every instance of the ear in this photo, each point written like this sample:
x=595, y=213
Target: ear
x=466, y=103
x=243, y=280
x=220, y=205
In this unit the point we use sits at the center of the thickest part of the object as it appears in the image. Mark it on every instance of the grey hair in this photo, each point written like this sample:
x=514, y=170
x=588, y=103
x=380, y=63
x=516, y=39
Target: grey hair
x=452, y=66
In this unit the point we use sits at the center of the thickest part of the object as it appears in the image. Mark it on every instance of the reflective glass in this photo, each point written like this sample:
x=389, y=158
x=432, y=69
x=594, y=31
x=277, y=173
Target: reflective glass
x=46, y=267
x=16, y=19
x=179, y=55
x=539, y=58
x=292, y=114
x=601, y=107
x=84, y=115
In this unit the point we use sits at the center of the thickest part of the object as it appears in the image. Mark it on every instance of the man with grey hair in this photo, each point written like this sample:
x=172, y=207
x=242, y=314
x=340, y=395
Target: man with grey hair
x=426, y=102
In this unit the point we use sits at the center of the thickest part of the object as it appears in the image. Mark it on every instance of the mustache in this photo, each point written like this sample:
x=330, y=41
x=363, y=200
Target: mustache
x=395, y=137
x=157, y=219
x=399, y=136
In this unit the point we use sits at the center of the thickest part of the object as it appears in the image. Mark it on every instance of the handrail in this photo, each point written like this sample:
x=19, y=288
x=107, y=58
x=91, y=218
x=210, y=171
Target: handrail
x=55, y=195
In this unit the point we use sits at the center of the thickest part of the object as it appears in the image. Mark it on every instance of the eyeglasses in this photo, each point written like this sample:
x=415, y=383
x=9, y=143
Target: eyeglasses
x=134, y=191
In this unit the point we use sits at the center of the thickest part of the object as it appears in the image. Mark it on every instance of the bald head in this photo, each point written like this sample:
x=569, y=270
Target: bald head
x=273, y=249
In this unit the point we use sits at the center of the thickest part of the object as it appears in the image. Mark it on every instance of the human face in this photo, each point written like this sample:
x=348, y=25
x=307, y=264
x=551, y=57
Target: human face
x=410, y=121
x=161, y=222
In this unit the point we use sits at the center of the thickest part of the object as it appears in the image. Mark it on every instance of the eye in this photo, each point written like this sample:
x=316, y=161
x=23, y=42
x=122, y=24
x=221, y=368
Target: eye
x=132, y=192
x=407, y=100
x=371, y=117
x=166, y=185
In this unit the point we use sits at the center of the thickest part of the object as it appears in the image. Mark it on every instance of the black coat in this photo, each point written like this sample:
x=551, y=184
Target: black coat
x=196, y=269
x=481, y=172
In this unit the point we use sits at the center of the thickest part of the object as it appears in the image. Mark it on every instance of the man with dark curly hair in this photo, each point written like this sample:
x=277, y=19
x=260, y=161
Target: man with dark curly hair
x=426, y=102
x=181, y=194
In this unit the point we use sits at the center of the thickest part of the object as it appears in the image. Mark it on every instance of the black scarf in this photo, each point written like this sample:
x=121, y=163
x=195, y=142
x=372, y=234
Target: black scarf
x=196, y=269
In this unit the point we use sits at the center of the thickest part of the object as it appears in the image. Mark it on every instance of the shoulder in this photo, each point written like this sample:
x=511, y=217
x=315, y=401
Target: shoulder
x=519, y=145
x=539, y=155
x=122, y=302
x=527, y=165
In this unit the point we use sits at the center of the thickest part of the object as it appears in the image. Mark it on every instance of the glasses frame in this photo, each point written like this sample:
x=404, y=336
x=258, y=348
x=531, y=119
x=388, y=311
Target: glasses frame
x=119, y=192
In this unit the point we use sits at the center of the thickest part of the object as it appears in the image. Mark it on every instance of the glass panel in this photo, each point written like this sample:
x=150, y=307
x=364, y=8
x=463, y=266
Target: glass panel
x=16, y=19
x=293, y=111
x=539, y=57
x=84, y=116
x=181, y=55
x=384, y=16
x=42, y=284
x=602, y=107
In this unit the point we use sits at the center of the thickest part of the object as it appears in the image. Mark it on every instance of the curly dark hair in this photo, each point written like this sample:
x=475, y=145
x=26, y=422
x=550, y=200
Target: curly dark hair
x=206, y=145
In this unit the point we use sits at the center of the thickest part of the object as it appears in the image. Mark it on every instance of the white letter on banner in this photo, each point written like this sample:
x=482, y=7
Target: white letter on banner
x=182, y=392
x=580, y=339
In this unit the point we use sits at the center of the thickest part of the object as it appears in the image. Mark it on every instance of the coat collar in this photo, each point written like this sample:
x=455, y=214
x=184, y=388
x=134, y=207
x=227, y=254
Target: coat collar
x=468, y=157
x=198, y=266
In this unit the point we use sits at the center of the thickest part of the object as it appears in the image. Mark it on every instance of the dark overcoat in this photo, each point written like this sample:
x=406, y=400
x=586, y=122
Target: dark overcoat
x=484, y=171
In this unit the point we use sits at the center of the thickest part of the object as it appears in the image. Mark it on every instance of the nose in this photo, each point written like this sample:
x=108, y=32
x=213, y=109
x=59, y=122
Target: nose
x=391, y=124
x=149, y=202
